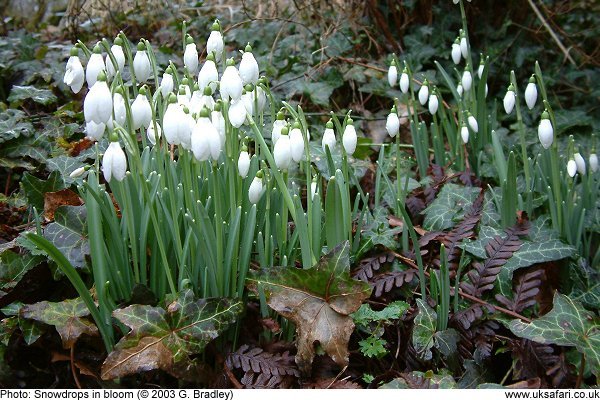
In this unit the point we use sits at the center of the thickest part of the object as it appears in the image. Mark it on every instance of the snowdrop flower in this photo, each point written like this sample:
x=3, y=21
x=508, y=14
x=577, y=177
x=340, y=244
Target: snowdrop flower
x=218, y=120
x=282, y=153
x=261, y=97
x=580, y=162
x=117, y=51
x=473, y=123
x=141, y=111
x=95, y=66
x=237, y=113
x=114, y=162
x=231, y=83
x=424, y=93
x=255, y=190
x=456, y=54
x=94, y=131
x=329, y=137
x=404, y=81
x=243, y=162
x=175, y=125
x=215, y=42
x=190, y=55
x=571, y=168
x=141, y=63
x=198, y=100
x=79, y=172
x=509, y=99
x=186, y=134
x=74, y=74
x=296, y=142
x=183, y=96
x=464, y=134
x=594, y=162
x=392, y=124
x=467, y=80
x=481, y=67
x=531, y=93
x=313, y=188
x=486, y=90
x=213, y=138
x=248, y=100
x=153, y=134
x=349, y=138
x=392, y=74
x=167, y=84
x=277, y=126
x=459, y=89
x=433, y=103
x=545, y=131
x=119, y=109
x=208, y=74
x=248, y=67
x=464, y=50
x=97, y=106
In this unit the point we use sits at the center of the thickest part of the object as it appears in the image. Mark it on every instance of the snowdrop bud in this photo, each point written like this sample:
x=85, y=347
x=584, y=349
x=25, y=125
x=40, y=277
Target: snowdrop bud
x=261, y=98
x=404, y=81
x=531, y=93
x=79, y=171
x=486, y=90
x=255, y=190
x=594, y=162
x=467, y=80
x=237, y=113
x=464, y=134
x=473, y=123
x=173, y=121
x=392, y=124
x=509, y=99
x=282, y=153
x=114, y=162
x=459, y=89
x=141, y=111
x=424, y=93
x=329, y=137
x=392, y=74
x=545, y=131
x=119, y=109
x=571, y=168
x=313, y=189
x=248, y=67
x=231, y=83
x=243, y=162
x=190, y=55
x=74, y=73
x=141, y=63
x=95, y=66
x=215, y=42
x=94, y=131
x=456, y=54
x=117, y=50
x=349, y=138
x=277, y=126
x=188, y=124
x=167, y=84
x=208, y=74
x=433, y=103
x=481, y=67
x=580, y=162
x=153, y=134
x=463, y=45
x=296, y=142
x=97, y=105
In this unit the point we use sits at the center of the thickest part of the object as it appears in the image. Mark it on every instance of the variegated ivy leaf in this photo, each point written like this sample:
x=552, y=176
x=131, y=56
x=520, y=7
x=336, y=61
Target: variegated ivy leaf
x=67, y=233
x=568, y=324
x=449, y=206
x=424, y=330
x=13, y=267
x=162, y=338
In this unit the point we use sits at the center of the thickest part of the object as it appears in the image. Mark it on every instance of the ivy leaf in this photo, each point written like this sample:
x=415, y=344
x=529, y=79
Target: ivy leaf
x=65, y=165
x=18, y=94
x=318, y=300
x=447, y=342
x=424, y=330
x=162, y=338
x=13, y=124
x=586, y=284
x=35, y=188
x=567, y=324
x=31, y=330
x=450, y=205
x=66, y=316
x=67, y=233
x=13, y=267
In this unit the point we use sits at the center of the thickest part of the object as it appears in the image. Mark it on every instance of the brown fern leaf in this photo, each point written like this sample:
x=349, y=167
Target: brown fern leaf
x=485, y=334
x=252, y=380
x=415, y=205
x=262, y=369
x=384, y=283
x=526, y=288
x=533, y=359
x=499, y=249
x=465, y=318
x=366, y=266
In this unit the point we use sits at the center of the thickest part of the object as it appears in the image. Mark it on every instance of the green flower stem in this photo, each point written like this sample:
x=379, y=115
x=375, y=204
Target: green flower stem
x=526, y=166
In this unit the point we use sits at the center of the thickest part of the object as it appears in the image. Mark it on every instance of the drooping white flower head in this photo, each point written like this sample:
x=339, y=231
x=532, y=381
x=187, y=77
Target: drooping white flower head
x=231, y=86
x=424, y=92
x=199, y=100
x=594, y=162
x=114, y=161
x=580, y=162
x=278, y=124
x=531, y=93
x=481, y=67
x=94, y=131
x=117, y=50
x=392, y=75
x=464, y=134
x=190, y=55
x=571, y=168
x=433, y=103
x=97, y=106
x=94, y=66
x=237, y=113
x=404, y=81
x=215, y=43
x=79, y=172
x=329, y=137
x=175, y=124
x=456, y=54
x=296, y=142
x=200, y=139
x=392, y=123
x=473, y=123
x=464, y=50
x=248, y=101
x=261, y=97
x=467, y=80
x=167, y=84
x=545, y=131
x=282, y=153
x=349, y=137
x=141, y=63
x=141, y=111
x=218, y=120
x=213, y=137
x=208, y=74
x=184, y=94
x=243, y=162
x=248, y=67
x=74, y=73
x=255, y=190
x=509, y=99
x=119, y=109
x=459, y=89
x=313, y=188
x=153, y=134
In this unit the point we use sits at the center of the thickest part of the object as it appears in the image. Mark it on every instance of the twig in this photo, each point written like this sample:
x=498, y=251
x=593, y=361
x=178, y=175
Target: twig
x=75, y=377
x=537, y=12
x=232, y=377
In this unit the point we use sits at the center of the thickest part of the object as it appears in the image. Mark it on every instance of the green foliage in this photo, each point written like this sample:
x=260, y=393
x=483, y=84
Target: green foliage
x=424, y=330
x=35, y=188
x=449, y=206
x=13, y=267
x=67, y=233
